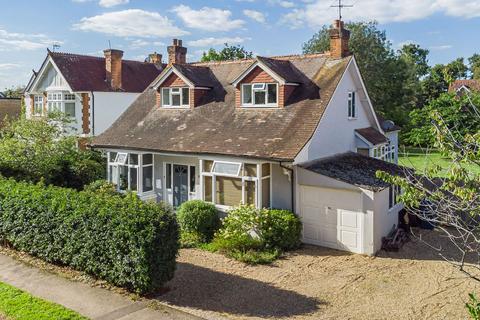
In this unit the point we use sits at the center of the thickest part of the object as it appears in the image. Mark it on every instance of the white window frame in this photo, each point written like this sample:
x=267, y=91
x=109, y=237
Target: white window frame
x=139, y=166
x=167, y=191
x=258, y=179
x=38, y=103
x=170, y=95
x=393, y=192
x=253, y=90
x=352, y=105
x=240, y=166
x=56, y=101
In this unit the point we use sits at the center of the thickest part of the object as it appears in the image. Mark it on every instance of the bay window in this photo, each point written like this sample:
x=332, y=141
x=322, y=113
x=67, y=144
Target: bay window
x=229, y=184
x=61, y=102
x=259, y=94
x=176, y=97
x=131, y=171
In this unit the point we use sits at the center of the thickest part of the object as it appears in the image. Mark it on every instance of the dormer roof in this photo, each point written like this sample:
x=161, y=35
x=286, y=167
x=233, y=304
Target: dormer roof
x=194, y=76
x=282, y=71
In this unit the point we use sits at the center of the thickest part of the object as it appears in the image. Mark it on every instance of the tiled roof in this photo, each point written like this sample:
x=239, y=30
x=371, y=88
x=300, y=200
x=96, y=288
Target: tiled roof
x=10, y=108
x=355, y=169
x=87, y=73
x=283, y=68
x=198, y=75
x=372, y=135
x=468, y=83
x=218, y=127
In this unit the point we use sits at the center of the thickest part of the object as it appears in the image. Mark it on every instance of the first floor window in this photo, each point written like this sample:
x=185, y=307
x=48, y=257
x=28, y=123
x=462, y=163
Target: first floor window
x=176, y=97
x=352, y=112
x=259, y=94
x=61, y=102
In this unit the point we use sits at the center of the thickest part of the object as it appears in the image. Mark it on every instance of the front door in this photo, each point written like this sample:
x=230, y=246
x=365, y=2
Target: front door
x=180, y=184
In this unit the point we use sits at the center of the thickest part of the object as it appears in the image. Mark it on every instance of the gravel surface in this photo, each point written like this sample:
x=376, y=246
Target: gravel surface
x=319, y=283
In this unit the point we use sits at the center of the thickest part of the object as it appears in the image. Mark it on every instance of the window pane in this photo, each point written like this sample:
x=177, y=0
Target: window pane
x=113, y=155
x=228, y=191
x=260, y=97
x=147, y=178
x=265, y=169
x=192, y=179
x=250, y=192
x=133, y=179
x=247, y=94
x=133, y=159
x=165, y=97
x=250, y=170
x=272, y=93
x=185, y=96
x=353, y=105
x=266, y=193
x=121, y=158
x=113, y=174
x=147, y=158
x=123, y=177
x=207, y=165
x=176, y=100
x=207, y=189
x=226, y=168
x=70, y=109
x=168, y=176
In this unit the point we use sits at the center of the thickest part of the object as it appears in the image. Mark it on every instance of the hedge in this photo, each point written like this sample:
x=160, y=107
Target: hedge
x=120, y=239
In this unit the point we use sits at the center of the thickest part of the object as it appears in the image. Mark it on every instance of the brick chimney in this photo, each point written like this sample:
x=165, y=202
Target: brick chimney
x=339, y=37
x=156, y=59
x=176, y=53
x=113, y=68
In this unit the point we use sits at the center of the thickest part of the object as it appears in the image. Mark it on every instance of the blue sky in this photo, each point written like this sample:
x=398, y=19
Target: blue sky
x=448, y=28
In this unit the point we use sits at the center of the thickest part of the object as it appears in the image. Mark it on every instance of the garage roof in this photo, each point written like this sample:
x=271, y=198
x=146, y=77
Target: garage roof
x=355, y=169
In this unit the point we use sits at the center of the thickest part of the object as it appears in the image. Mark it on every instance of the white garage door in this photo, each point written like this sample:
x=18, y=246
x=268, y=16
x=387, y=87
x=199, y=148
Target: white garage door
x=325, y=223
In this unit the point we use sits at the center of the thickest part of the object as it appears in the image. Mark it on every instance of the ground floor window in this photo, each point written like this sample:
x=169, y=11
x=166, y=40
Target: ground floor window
x=233, y=183
x=131, y=171
x=393, y=194
x=384, y=152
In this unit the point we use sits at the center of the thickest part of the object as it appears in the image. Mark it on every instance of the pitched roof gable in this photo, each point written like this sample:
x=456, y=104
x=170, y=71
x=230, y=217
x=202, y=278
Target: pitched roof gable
x=372, y=136
x=87, y=73
x=218, y=127
x=470, y=84
x=194, y=76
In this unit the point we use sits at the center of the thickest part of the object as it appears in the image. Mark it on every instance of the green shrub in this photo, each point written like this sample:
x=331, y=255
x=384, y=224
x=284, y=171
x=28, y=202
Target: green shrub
x=473, y=307
x=257, y=235
x=101, y=187
x=198, y=217
x=120, y=239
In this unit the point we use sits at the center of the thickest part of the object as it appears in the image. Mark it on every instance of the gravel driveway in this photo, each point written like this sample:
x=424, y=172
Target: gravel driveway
x=319, y=283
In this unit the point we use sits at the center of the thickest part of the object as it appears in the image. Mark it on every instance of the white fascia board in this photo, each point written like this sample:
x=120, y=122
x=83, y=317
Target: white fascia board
x=369, y=101
x=168, y=73
x=42, y=70
x=264, y=68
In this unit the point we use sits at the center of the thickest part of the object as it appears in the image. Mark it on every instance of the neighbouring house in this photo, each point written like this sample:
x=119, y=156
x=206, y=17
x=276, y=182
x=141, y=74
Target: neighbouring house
x=464, y=85
x=92, y=91
x=10, y=108
x=2, y=95
x=294, y=132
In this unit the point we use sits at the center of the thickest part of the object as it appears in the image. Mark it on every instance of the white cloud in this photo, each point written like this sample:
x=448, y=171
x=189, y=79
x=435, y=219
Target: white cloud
x=319, y=12
x=210, y=42
x=283, y=3
x=112, y=3
x=8, y=66
x=255, y=15
x=440, y=47
x=10, y=41
x=131, y=23
x=208, y=19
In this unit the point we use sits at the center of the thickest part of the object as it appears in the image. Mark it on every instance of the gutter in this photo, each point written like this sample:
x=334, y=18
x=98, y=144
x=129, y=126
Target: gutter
x=93, y=114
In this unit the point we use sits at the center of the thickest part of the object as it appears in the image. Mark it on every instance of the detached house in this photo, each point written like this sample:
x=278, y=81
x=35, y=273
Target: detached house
x=92, y=91
x=295, y=132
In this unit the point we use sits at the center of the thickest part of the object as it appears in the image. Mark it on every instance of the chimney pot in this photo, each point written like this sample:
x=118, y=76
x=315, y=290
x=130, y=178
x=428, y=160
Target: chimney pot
x=339, y=38
x=176, y=53
x=155, y=58
x=113, y=68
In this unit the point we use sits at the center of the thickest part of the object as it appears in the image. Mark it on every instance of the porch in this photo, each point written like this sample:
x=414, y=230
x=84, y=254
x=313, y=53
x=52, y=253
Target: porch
x=224, y=181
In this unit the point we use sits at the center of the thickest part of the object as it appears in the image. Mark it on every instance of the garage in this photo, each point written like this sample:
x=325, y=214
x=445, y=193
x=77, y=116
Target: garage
x=327, y=223
x=342, y=203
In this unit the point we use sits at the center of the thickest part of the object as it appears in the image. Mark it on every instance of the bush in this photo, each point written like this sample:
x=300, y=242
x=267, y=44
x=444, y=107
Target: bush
x=473, y=307
x=198, y=219
x=102, y=187
x=120, y=239
x=257, y=235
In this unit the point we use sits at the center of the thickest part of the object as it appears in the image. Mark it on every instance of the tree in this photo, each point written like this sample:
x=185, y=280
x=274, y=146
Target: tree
x=416, y=60
x=16, y=92
x=227, y=53
x=474, y=64
x=451, y=203
x=384, y=73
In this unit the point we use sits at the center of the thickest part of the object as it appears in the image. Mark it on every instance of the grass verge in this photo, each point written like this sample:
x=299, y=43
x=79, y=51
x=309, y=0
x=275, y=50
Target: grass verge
x=16, y=304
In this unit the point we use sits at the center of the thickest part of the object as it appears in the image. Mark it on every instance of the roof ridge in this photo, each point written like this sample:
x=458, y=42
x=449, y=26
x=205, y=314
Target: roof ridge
x=279, y=57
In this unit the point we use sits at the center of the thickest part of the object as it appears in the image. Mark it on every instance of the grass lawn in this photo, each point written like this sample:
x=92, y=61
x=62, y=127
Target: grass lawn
x=420, y=159
x=16, y=304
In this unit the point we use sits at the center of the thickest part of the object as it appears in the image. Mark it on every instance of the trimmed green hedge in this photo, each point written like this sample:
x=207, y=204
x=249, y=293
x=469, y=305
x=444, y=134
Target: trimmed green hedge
x=199, y=219
x=122, y=240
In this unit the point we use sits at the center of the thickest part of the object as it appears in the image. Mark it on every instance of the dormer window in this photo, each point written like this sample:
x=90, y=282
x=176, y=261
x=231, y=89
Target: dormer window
x=259, y=94
x=176, y=97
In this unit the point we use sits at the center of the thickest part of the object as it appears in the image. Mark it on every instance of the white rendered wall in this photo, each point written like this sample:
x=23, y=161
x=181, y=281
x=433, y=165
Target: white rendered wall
x=108, y=107
x=385, y=218
x=335, y=132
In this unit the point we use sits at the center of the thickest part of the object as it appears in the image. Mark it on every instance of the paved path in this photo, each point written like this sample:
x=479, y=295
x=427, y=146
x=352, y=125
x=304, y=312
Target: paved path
x=95, y=303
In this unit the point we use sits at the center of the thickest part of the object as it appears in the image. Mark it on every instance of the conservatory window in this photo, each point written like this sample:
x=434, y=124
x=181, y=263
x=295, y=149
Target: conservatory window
x=131, y=171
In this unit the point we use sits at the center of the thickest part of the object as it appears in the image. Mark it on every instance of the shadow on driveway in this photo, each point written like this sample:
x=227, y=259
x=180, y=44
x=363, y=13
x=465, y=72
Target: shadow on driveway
x=205, y=289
